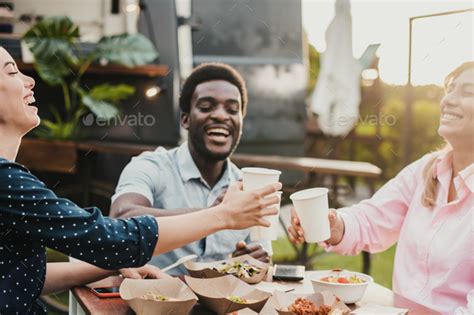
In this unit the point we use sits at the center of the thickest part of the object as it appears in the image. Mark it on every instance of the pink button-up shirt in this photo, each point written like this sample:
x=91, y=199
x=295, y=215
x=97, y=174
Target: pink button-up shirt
x=434, y=261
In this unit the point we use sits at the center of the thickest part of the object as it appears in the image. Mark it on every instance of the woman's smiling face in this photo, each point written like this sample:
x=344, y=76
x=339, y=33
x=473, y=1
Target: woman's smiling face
x=457, y=109
x=16, y=97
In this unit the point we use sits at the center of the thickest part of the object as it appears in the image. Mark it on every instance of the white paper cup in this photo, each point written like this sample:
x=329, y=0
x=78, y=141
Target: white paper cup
x=312, y=207
x=256, y=177
x=268, y=233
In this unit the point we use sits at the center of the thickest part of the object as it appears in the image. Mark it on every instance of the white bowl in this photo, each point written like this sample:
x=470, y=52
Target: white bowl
x=347, y=292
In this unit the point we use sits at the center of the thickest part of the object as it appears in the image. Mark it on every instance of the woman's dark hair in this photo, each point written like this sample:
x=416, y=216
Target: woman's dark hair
x=210, y=72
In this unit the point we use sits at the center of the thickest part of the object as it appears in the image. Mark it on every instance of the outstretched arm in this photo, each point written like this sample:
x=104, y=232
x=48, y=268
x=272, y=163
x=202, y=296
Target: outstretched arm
x=135, y=204
x=372, y=225
x=239, y=210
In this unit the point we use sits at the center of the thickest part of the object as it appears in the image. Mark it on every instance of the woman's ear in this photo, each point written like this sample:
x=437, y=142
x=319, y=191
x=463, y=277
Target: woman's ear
x=185, y=120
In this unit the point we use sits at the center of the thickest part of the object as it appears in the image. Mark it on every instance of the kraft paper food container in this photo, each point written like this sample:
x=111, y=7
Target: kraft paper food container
x=205, y=269
x=214, y=294
x=132, y=291
x=282, y=301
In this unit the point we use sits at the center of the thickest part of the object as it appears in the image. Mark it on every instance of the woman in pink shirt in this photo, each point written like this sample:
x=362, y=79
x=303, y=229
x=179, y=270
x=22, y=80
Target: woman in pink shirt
x=428, y=208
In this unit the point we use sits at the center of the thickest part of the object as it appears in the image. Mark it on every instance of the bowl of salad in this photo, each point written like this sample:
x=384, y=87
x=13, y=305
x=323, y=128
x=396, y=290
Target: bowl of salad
x=349, y=286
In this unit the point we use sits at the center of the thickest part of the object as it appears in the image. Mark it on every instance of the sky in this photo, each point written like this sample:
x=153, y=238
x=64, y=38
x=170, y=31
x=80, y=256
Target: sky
x=440, y=44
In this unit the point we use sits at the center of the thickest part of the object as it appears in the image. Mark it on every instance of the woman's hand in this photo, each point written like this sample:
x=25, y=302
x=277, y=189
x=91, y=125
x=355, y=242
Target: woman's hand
x=147, y=271
x=336, y=225
x=242, y=209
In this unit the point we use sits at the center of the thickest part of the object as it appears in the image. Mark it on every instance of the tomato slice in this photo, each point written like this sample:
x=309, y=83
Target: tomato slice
x=342, y=280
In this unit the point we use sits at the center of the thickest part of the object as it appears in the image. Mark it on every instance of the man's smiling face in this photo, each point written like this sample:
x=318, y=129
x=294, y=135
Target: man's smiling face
x=215, y=119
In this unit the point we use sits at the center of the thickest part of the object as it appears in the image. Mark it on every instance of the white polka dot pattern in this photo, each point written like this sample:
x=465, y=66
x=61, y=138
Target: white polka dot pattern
x=32, y=217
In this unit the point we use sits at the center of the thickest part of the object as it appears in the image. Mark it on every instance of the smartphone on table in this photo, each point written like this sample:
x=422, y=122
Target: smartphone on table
x=106, y=292
x=288, y=272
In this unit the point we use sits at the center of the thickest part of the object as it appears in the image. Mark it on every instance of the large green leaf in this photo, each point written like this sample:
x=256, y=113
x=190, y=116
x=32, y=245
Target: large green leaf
x=127, y=50
x=112, y=93
x=101, y=109
x=58, y=27
x=53, y=73
x=52, y=41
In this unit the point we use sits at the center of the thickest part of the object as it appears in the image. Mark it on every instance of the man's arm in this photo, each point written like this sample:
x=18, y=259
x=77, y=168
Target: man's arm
x=134, y=204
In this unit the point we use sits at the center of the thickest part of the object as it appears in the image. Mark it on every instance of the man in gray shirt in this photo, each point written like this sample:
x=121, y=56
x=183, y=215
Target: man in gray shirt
x=196, y=174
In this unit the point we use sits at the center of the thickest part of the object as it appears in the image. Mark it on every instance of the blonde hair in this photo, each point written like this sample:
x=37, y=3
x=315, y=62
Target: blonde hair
x=428, y=198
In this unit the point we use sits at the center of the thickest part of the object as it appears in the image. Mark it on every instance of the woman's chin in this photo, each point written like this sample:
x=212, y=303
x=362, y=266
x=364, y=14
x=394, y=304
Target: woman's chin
x=31, y=109
x=37, y=121
x=32, y=122
x=446, y=131
x=456, y=135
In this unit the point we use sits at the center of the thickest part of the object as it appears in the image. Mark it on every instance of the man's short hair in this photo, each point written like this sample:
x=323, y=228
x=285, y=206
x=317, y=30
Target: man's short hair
x=210, y=72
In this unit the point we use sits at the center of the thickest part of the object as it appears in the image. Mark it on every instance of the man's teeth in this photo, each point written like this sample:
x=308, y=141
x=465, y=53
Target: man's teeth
x=451, y=117
x=29, y=100
x=219, y=131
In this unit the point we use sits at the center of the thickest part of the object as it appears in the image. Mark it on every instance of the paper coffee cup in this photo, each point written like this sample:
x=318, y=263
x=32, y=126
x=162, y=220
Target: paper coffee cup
x=268, y=233
x=312, y=207
x=256, y=177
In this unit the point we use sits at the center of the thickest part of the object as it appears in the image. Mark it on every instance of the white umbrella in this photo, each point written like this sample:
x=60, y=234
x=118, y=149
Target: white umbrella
x=337, y=94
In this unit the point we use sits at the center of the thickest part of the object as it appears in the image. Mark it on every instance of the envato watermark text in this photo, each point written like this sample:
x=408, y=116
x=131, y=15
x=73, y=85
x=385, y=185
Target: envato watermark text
x=134, y=120
x=373, y=120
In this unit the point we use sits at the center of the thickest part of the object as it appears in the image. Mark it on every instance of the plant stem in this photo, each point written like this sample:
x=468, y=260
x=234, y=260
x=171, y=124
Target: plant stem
x=84, y=68
x=67, y=100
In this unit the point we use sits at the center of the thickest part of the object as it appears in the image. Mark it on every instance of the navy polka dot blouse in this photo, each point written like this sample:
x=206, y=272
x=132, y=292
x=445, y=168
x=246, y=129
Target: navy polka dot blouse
x=32, y=217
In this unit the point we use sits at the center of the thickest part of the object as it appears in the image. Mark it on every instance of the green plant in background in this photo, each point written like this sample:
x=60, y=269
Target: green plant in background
x=59, y=61
x=313, y=69
x=425, y=122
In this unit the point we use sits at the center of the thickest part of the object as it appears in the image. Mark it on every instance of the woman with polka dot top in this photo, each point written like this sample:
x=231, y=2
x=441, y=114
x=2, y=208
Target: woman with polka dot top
x=32, y=217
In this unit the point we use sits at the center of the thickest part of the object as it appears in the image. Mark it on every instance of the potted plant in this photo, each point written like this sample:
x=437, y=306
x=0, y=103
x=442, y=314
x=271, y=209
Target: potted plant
x=60, y=61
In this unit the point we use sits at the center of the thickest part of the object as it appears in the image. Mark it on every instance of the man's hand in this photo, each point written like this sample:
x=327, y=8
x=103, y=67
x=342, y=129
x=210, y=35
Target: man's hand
x=147, y=271
x=256, y=251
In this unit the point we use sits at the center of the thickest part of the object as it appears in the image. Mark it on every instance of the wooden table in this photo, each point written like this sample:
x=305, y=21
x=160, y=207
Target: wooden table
x=309, y=165
x=83, y=301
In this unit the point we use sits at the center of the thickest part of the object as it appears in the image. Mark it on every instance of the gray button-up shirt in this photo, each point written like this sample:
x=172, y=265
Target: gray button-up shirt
x=170, y=179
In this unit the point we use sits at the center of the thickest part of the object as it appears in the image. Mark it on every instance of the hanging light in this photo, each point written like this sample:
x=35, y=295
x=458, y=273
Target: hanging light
x=153, y=91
